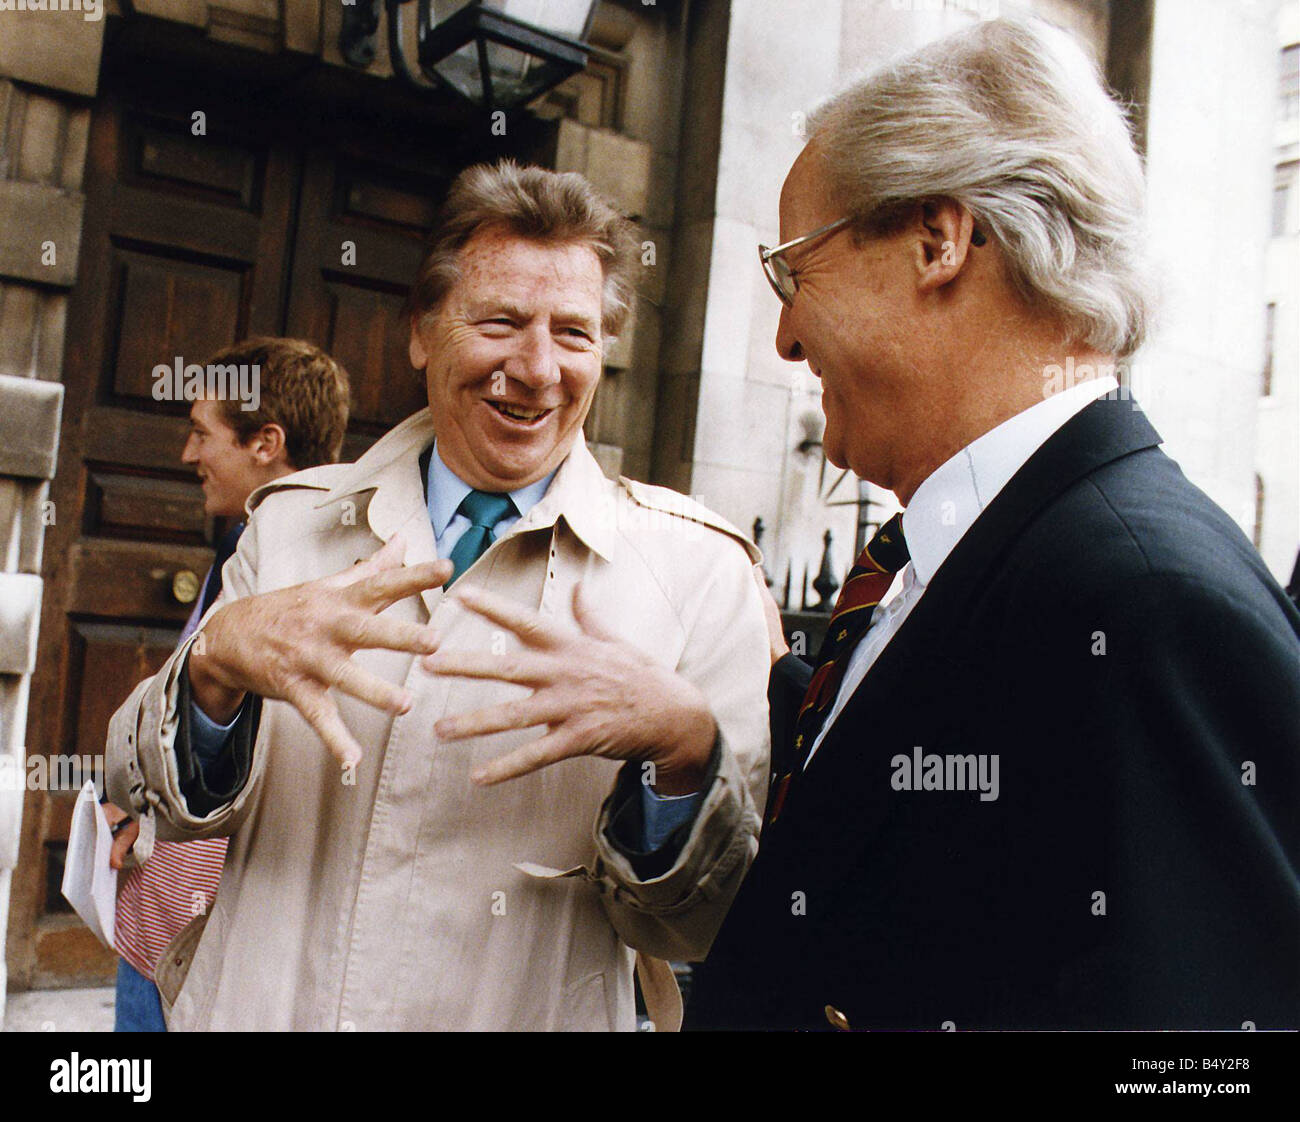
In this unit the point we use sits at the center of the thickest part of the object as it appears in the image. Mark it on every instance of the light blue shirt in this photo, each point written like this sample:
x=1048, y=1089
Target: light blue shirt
x=446, y=491
x=661, y=814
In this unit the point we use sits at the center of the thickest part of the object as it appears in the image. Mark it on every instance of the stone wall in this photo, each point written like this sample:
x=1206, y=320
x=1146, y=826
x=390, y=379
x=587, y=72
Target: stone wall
x=49, y=63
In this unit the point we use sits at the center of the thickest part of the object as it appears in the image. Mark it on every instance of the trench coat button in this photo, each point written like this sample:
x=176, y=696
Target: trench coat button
x=837, y=1019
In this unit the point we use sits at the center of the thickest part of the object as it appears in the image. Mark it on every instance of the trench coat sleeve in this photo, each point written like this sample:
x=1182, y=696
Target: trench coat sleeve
x=144, y=774
x=676, y=914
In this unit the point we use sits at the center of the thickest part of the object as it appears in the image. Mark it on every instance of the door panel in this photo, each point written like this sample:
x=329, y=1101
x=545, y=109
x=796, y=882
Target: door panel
x=360, y=237
x=189, y=244
x=183, y=252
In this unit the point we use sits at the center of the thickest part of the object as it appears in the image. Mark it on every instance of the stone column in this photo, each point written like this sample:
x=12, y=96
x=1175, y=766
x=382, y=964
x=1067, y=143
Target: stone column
x=49, y=65
x=29, y=443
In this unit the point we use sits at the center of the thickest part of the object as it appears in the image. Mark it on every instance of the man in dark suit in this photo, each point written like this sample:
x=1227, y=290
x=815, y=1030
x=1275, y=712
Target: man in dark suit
x=1051, y=782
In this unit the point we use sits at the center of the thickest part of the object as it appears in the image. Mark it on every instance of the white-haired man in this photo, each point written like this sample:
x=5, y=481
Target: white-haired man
x=1052, y=782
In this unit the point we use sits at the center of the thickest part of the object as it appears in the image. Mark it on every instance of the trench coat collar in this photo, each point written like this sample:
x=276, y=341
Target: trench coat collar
x=579, y=493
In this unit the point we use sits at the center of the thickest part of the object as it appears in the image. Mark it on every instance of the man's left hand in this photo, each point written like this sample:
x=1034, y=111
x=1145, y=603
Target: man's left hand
x=597, y=695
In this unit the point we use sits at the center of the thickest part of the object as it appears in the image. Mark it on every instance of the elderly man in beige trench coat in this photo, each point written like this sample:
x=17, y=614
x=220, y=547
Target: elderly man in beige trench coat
x=413, y=850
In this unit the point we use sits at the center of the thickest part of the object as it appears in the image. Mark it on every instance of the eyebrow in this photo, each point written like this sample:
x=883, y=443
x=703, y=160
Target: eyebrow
x=486, y=309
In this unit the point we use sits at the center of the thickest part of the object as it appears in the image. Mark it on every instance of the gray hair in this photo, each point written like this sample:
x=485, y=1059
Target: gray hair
x=534, y=203
x=1011, y=120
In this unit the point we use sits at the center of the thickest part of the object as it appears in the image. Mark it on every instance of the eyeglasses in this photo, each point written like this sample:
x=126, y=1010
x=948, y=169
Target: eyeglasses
x=779, y=274
x=782, y=278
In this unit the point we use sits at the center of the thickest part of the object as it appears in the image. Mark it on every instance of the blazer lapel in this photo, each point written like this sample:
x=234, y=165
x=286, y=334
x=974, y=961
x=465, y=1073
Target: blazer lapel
x=911, y=677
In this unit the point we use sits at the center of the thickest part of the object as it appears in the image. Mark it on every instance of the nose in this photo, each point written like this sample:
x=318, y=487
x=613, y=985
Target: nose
x=787, y=343
x=535, y=364
x=188, y=454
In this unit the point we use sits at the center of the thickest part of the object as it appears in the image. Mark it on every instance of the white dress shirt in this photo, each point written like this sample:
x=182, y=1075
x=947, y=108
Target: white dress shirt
x=946, y=505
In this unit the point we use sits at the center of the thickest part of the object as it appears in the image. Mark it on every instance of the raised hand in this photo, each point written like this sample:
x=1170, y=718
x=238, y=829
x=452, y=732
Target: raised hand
x=295, y=645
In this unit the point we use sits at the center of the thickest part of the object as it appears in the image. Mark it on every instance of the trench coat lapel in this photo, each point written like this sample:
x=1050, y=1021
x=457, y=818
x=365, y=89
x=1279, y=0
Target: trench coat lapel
x=391, y=470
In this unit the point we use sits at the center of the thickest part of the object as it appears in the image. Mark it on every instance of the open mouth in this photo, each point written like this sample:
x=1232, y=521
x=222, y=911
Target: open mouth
x=518, y=414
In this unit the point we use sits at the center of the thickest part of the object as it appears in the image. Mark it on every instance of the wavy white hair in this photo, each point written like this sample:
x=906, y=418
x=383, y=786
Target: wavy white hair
x=1010, y=119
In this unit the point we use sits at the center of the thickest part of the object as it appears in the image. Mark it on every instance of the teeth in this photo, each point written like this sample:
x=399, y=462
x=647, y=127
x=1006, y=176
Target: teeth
x=516, y=413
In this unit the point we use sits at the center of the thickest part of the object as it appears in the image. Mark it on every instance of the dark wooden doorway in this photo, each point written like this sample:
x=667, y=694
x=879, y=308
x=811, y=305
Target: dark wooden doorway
x=192, y=242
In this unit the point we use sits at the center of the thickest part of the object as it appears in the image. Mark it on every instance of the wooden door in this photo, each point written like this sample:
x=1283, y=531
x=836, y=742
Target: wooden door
x=190, y=243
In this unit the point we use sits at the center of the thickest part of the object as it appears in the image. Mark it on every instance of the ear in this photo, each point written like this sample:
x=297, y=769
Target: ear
x=268, y=444
x=419, y=355
x=945, y=230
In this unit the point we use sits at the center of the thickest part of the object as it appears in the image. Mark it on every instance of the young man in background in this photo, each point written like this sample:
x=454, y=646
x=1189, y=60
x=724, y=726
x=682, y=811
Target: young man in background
x=299, y=423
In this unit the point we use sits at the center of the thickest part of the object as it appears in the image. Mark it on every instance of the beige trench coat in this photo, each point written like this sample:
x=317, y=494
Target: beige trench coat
x=412, y=899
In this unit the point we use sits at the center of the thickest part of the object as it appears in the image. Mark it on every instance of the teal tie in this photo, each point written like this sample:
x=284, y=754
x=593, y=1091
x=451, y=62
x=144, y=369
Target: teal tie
x=484, y=510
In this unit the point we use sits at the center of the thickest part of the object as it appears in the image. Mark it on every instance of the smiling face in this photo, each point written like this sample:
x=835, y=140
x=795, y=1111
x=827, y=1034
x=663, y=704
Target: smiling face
x=512, y=357
x=228, y=470
x=854, y=320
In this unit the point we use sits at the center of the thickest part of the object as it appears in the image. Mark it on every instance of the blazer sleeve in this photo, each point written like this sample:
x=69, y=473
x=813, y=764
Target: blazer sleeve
x=150, y=770
x=785, y=691
x=675, y=913
x=1204, y=724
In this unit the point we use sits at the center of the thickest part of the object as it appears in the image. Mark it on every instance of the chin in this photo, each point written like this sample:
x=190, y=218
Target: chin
x=833, y=449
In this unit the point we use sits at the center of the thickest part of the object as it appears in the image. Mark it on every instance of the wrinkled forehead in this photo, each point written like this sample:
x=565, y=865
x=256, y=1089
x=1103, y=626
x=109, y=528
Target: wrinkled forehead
x=497, y=255
x=506, y=271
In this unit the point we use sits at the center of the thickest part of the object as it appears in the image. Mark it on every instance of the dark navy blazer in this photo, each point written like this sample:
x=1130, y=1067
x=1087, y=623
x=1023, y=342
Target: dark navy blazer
x=1110, y=634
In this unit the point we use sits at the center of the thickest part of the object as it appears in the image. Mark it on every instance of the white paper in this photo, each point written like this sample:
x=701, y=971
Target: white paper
x=89, y=882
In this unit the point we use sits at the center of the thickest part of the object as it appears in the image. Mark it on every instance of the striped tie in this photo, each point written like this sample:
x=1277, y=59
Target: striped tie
x=867, y=583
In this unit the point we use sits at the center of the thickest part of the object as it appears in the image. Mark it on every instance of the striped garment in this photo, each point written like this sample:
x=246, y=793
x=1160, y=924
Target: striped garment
x=156, y=900
x=179, y=881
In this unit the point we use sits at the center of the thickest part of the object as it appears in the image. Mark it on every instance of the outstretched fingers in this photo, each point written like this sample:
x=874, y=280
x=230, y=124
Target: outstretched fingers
x=547, y=750
x=364, y=686
x=520, y=667
x=523, y=714
x=385, y=588
x=367, y=632
x=530, y=626
x=319, y=710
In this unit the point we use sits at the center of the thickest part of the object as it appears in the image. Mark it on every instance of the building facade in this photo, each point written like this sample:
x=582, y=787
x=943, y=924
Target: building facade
x=181, y=173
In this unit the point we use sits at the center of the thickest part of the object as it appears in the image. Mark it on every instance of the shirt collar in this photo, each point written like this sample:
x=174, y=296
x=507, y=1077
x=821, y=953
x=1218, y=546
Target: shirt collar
x=447, y=491
x=950, y=499
x=579, y=491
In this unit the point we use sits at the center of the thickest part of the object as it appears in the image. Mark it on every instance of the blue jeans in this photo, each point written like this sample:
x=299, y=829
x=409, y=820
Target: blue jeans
x=138, y=1008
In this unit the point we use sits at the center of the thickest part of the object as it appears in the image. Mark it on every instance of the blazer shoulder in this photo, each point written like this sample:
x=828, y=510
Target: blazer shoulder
x=1137, y=525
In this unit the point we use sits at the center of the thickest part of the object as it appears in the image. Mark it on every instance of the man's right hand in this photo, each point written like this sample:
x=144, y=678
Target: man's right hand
x=296, y=644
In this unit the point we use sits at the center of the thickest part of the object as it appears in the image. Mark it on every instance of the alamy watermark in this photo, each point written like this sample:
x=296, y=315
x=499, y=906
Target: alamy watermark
x=50, y=773
x=1134, y=379
x=928, y=771
x=102, y=1076
x=92, y=11
x=217, y=381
